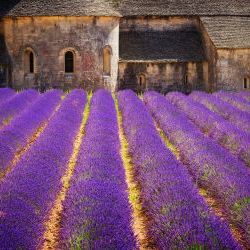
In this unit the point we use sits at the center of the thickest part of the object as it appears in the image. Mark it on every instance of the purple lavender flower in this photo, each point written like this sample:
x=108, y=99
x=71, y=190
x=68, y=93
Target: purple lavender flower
x=234, y=100
x=178, y=216
x=237, y=117
x=96, y=210
x=244, y=94
x=211, y=166
x=15, y=136
x=15, y=105
x=215, y=126
x=28, y=192
x=6, y=94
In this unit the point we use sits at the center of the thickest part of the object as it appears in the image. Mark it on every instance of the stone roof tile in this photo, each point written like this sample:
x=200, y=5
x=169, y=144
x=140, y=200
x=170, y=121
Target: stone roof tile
x=228, y=32
x=171, y=45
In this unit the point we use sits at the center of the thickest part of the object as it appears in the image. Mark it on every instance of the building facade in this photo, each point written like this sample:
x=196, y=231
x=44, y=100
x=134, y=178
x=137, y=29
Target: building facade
x=162, y=45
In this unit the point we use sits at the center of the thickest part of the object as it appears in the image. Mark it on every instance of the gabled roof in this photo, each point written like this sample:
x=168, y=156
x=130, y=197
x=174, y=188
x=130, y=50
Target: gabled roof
x=228, y=32
x=184, y=7
x=160, y=46
x=123, y=7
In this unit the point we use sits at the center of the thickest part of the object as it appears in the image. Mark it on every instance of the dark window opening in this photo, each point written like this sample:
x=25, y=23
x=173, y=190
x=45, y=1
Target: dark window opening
x=186, y=80
x=142, y=81
x=245, y=83
x=31, y=62
x=69, y=62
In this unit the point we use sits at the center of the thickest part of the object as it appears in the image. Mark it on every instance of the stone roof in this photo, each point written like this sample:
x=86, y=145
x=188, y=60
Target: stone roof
x=16, y=8
x=123, y=7
x=184, y=7
x=160, y=46
x=228, y=32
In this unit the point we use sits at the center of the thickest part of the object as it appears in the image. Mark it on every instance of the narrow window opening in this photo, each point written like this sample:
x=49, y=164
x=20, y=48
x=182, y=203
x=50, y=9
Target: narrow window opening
x=245, y=83
x=69, y=62
x=186, y=79
x=142, y=81
x=31, y=62
x=107, y=61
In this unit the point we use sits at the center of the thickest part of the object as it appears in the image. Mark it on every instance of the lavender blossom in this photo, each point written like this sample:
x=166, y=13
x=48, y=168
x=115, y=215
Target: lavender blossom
x=244, y=94
x=239, y=118
x=178, y=217
x=15, y=105
x=15, y=136
x=6, y=94
x=28, y=192
x=211, y=166
x=234, y=100
x=215, y=126
x=96, y=210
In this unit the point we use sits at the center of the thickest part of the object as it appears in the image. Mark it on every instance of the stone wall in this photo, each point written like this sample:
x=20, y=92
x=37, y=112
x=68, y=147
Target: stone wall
x=162, y=77
x=233, y=65
x=50, y=37
x=211, y=58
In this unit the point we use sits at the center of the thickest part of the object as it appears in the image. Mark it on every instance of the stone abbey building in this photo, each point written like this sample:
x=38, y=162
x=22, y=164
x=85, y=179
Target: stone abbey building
x=116, y=44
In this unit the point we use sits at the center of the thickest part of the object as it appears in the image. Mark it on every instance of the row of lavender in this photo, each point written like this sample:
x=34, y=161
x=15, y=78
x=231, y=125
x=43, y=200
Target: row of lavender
x=89, y=217
x=97, y=202
x=96, y=212
x=14, y=137
x=28, y=192
x=212, y=167
x=178, y=217
x=214, y=125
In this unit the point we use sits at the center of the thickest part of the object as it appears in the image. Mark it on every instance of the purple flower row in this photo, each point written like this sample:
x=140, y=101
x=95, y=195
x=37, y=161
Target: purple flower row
x=15, y=105
x=212, y=166
x=5, y=94
x=178, y=215
x=16, y=135
x=244, y=94
x=96, y=212
x=28, y=192
x=212, y=124
x=234, y=100
x=237, y=117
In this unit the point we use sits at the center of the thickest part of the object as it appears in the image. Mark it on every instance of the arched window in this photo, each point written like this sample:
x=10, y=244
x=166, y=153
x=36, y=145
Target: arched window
x=31, y=62
x=142, y=80
x=69, y=62
x=107, y=60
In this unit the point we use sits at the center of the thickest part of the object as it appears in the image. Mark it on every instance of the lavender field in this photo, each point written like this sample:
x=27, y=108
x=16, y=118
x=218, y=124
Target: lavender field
x=119, y=171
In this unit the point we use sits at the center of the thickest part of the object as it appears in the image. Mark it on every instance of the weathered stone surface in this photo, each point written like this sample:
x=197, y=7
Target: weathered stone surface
x=232, y=66
x=175, y=62
x=167, y=52
x=50, y=37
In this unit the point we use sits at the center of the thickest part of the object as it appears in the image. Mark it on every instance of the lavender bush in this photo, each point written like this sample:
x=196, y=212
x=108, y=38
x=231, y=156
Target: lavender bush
x=178, y=216
x=6, y=94
x=225, y=133
x=244, y=94
x=15, y=136
x=234, y=100
x=239, y=118
x=28, y=192
x=96, y=211
x=15, y=105
x=224, y=176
